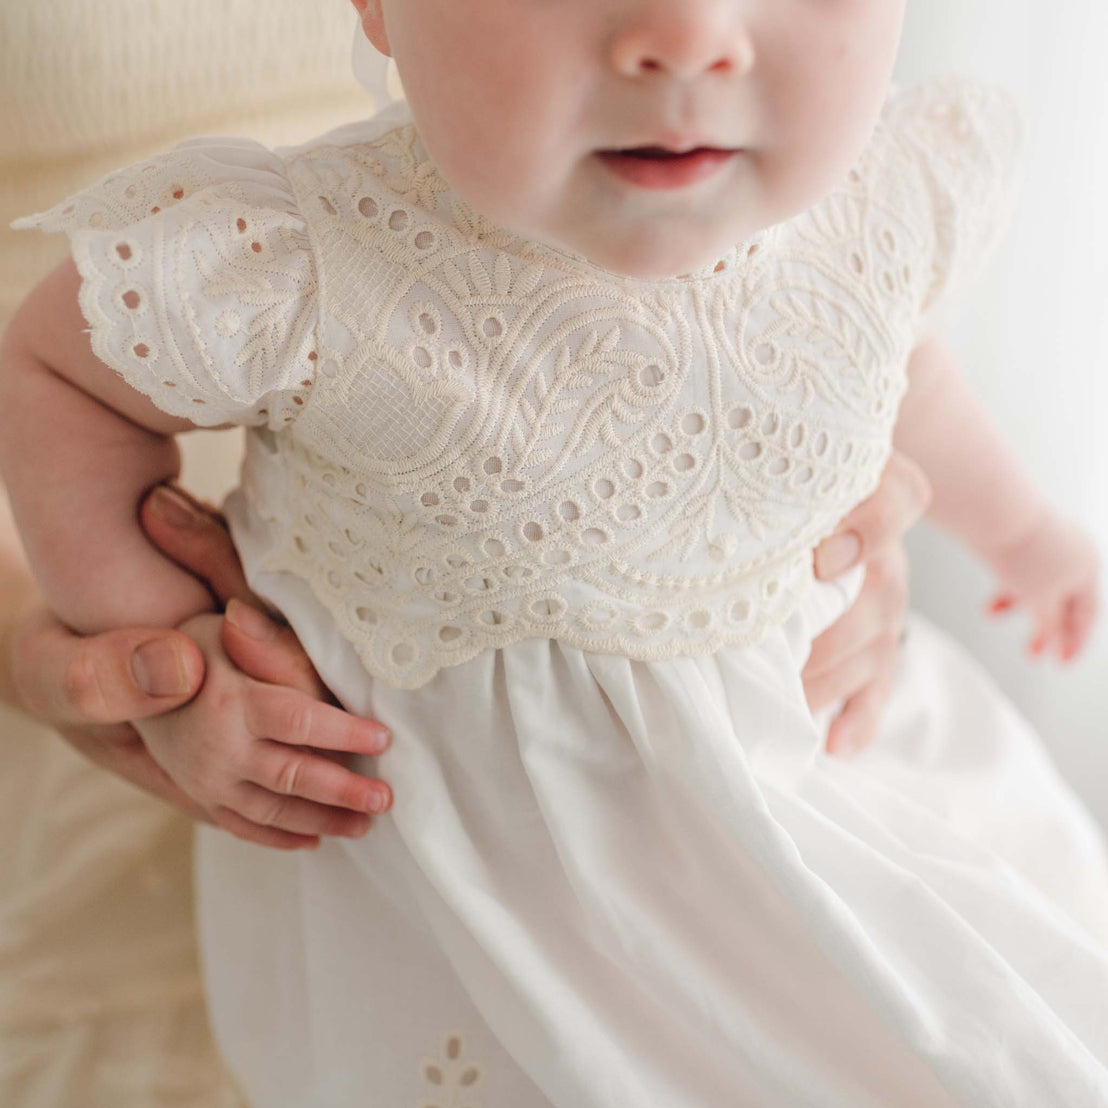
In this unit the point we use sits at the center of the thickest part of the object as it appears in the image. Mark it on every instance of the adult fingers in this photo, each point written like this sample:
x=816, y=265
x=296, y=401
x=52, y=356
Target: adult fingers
x=850, y=676
x=293, y=771
x=900, y=500
x=195, y=537
x=290, y=717
x=120, y=750
x=874, y=622
x=113, y=677
x=855, y=727
x=268, y=652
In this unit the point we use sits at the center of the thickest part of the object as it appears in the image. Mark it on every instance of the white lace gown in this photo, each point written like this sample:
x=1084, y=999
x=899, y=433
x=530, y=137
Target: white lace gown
x=555, y=530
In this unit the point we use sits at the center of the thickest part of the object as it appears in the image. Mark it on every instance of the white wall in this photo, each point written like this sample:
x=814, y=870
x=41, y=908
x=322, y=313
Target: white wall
x=1034, y=340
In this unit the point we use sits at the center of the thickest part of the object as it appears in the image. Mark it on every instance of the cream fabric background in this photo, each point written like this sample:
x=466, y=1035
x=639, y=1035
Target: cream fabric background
x=100, y=999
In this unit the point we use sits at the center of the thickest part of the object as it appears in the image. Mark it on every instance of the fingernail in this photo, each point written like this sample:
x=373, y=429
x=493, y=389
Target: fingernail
x=250, y=621
x=170, y=505
x=160, y=669
x=837, y=554
x=377, y=801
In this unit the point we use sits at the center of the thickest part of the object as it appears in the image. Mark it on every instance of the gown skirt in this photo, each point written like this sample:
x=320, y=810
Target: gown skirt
x=614, y=883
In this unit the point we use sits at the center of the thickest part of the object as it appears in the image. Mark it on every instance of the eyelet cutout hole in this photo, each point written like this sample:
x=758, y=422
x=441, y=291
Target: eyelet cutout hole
x=740, y=417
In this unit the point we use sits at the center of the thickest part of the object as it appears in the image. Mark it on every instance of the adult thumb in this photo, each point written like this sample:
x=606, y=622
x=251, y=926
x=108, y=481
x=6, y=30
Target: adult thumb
x=113, y=677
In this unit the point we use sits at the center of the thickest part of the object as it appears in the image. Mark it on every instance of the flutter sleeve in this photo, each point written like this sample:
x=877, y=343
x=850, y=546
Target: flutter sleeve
x=199, y=282
x=966, y=140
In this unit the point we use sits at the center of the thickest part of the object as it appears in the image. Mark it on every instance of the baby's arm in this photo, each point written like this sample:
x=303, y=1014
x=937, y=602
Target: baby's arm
x=79, y=447
x=982, y=494
x=980, y=491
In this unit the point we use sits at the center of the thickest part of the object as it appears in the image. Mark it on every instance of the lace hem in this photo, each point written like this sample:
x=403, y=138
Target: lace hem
x=406, y=651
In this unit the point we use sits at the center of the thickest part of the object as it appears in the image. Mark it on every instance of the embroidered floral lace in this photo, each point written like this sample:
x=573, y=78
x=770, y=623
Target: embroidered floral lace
x=482, y=438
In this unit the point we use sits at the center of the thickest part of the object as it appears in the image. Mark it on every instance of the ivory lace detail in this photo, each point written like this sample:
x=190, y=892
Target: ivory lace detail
x=481, y=439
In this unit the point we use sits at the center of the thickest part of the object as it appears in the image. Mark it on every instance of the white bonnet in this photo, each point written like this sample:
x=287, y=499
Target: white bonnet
x=374, y=71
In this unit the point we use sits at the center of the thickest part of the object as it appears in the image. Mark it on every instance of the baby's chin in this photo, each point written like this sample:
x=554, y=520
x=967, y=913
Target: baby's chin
x=645, y=257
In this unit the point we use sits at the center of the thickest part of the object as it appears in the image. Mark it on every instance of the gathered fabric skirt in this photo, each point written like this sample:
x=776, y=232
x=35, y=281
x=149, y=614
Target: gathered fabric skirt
x=608, y=882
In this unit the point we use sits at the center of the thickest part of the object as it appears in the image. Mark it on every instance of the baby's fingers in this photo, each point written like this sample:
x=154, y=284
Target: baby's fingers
x=292, y=771
x=288, y=716
x=251, y=832
x=1047, y=631
x=290, y=813
x=1078, y=618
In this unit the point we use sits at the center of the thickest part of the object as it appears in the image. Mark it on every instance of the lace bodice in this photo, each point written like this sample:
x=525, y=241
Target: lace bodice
x=461, y=438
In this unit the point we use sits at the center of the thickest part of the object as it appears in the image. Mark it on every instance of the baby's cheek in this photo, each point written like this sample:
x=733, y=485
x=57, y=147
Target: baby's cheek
x=786, y=182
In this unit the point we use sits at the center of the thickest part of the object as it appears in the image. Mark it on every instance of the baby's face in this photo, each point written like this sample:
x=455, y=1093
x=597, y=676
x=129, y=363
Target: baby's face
x=523, y=104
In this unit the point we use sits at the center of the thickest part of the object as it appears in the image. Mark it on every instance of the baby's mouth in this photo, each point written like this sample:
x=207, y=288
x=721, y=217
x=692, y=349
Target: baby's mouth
x=655, y=167
x=657, y=153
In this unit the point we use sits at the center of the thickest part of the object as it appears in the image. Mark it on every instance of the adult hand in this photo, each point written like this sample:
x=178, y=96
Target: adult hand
x=88, y=687
x=855, y=658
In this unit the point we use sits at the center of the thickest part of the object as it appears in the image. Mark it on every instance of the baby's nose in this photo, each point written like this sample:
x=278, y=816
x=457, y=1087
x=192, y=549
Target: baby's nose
x=683, y=38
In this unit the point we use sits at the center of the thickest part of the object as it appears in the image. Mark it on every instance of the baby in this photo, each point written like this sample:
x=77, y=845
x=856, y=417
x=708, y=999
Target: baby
x=555, y=374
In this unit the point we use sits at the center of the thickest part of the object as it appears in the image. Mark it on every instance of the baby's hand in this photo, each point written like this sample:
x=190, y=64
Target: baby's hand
x=1053, y=571
x=243, y=750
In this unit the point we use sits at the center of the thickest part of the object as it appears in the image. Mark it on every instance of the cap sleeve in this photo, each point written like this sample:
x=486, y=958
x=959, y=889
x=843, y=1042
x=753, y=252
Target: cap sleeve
x=199, y=282
x=967, y=141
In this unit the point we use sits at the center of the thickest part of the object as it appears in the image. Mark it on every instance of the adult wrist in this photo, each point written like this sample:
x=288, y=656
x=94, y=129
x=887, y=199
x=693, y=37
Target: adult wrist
x=19, y=594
